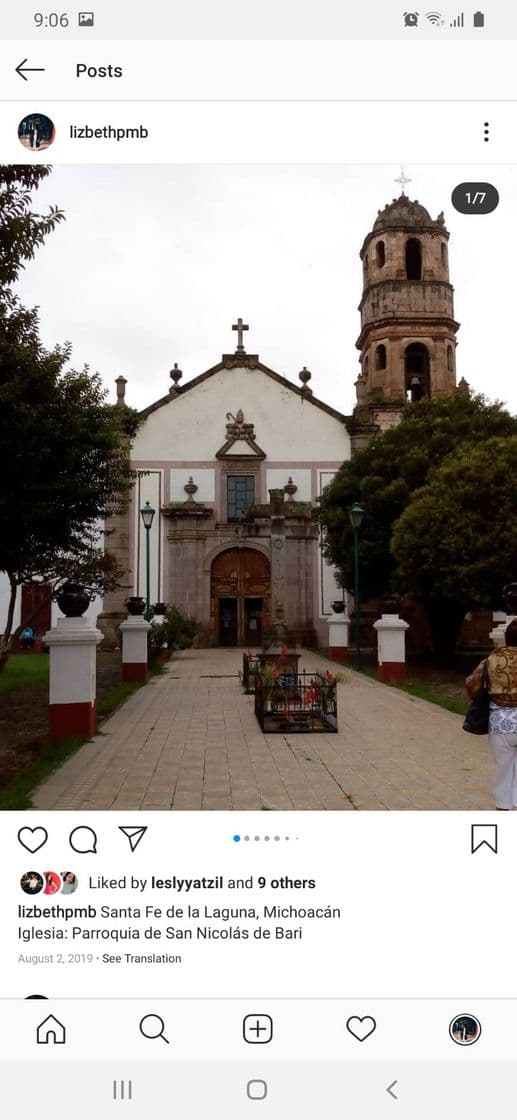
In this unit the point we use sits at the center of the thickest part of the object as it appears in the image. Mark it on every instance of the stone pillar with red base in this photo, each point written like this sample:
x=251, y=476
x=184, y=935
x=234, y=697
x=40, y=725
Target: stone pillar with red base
x=73, y=679
x=391, y=647
x=134, y=633
x=339, y=628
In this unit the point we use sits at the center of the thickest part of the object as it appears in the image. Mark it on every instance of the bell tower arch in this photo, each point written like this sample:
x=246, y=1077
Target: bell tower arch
x=407, y=343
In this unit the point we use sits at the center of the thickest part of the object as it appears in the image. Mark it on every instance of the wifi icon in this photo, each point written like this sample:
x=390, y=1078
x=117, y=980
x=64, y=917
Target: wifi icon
x=434, y=18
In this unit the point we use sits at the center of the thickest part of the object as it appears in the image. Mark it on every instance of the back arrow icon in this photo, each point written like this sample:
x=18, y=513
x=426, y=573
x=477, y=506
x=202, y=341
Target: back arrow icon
x=390, y=1090
x=22, y=70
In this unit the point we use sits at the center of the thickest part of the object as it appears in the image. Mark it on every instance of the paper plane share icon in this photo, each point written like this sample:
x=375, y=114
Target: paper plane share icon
x=134, y=834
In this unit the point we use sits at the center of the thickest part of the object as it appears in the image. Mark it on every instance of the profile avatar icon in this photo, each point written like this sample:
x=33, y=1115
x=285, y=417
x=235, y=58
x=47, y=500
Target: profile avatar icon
x=36, y=132
x=70, y=883
x=465, y=1030
x=32, y=882
x=52, y=882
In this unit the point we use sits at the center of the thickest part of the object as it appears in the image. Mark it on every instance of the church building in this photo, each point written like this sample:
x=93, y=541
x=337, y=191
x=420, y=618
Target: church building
x=233, y=461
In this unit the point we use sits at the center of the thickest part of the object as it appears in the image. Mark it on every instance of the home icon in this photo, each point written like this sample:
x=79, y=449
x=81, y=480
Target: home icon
x=51, y=1031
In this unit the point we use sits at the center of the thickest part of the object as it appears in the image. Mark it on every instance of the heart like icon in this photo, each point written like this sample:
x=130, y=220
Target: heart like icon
x=32, y=838
x=361, y=1028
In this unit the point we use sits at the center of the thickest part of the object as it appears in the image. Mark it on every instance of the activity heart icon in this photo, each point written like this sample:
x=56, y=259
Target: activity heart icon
x=32, y=838
x=361, y=1028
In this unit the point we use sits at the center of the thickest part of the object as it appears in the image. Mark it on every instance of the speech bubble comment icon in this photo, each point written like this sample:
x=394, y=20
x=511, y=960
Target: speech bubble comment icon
x=83, y=840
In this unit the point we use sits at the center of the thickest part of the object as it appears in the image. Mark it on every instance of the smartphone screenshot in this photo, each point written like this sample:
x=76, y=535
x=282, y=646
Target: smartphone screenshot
x=258, y=561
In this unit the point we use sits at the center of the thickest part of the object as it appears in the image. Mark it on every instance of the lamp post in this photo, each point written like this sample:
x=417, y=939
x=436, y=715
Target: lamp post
x=147, y=514
x=356, y=514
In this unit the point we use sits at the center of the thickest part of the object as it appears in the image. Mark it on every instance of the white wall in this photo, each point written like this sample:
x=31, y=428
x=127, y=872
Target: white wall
x=192, y=427
x=277, y=477
x=203, y=477
x=328, y=588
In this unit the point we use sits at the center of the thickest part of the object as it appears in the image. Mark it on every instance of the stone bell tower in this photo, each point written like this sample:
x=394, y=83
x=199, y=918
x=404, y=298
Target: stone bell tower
x=407, y=342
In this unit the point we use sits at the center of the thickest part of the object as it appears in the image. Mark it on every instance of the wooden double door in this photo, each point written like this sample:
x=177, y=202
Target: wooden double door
x=240, y=597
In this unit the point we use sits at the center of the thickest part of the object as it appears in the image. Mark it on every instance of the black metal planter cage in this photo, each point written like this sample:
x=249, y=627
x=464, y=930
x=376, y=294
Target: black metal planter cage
x=250, y=668
x=296, y=703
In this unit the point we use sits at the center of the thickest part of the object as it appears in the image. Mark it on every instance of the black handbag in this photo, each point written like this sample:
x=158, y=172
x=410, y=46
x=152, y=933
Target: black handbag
x=477, y=718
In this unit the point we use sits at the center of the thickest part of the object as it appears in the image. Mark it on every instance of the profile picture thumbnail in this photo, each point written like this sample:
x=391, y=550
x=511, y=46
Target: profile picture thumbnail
x=70, y=882
x=52, y=882
x=36, y=132
x=465, y=1030
x=32, y=882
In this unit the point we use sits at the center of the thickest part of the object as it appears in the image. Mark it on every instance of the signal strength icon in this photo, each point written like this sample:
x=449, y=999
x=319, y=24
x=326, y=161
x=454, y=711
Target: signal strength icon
x=459, y=21
x=435, y=18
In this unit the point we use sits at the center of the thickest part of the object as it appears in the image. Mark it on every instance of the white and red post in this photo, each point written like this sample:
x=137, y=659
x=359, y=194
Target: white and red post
x=134, y=648
x=73, y=678
x=339, y=634
x=391, y=647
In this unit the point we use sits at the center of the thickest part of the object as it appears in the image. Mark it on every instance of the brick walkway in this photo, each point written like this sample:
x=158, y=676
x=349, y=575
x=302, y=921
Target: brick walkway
x=190, y=740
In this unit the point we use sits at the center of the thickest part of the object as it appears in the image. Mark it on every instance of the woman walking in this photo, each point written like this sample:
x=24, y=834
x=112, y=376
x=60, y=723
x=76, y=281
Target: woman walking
x=502, y=686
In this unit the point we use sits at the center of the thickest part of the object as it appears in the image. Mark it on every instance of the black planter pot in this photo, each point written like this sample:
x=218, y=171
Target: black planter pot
x=73, y=600
x=510, y=598
x=338, y=606
x=135, y=605
x=390, y=605
x=160, y=608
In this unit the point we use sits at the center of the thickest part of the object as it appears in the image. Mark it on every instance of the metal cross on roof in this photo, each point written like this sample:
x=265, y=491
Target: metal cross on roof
x=403, y=179
x=240, y=327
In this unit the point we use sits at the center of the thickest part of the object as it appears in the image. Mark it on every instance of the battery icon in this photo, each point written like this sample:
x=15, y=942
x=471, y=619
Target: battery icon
x=479, y=19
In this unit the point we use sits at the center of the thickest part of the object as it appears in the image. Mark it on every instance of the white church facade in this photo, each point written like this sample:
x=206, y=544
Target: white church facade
x=232, y=463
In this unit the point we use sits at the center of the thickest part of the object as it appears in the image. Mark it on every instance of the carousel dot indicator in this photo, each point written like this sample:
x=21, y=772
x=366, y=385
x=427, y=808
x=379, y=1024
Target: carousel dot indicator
x=236, y=838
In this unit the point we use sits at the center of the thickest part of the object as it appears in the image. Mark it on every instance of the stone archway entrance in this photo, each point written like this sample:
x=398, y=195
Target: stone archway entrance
x=240, y=586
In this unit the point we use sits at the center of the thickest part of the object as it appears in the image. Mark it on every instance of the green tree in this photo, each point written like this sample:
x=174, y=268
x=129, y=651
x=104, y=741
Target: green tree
x=21, y=230
x=64, y=462
x=385, y=475
x=455, y=545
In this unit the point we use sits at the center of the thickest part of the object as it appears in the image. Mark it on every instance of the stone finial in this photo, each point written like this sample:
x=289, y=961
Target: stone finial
x=305, y=376
x=175, y=375
x=463, y=386
x=121, y=383
x=190, y=489
x=290, y=488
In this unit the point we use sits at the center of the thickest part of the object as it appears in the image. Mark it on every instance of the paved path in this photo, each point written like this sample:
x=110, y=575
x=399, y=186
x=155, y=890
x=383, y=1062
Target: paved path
x=190, y=740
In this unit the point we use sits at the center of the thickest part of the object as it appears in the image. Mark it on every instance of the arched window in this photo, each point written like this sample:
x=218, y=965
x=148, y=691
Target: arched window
x=450, y=358
x=380, y=357
x=445, y=255
x=417, y=372
x=380, y=254
x=365, y=365
x=413, y=259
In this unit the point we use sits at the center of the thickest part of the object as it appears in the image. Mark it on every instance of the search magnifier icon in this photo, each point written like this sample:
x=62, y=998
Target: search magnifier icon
x=153, y=1026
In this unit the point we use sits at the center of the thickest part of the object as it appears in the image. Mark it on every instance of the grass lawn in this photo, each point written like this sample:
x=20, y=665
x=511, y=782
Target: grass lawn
x=442, y=686
x=24, y=669
x=27, y=755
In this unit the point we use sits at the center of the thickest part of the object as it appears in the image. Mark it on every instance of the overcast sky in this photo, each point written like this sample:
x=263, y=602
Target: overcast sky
x=154, y=264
